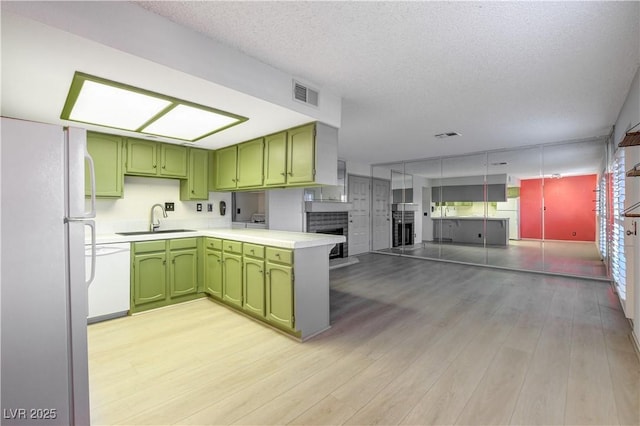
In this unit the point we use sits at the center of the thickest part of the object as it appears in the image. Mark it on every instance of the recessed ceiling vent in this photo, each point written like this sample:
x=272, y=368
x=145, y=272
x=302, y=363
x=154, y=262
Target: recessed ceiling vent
x=304, y=94
x=447, y=135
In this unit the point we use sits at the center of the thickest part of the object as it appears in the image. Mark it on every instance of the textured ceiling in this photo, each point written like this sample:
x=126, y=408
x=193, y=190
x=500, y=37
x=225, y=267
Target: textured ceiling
x=502, y=74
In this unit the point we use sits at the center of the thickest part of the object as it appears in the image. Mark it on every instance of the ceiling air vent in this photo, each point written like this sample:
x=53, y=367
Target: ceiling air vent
x=447, y=135
x=304, y=94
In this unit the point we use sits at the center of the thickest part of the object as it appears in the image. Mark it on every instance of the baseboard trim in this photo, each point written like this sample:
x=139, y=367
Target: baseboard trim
x=636, y=344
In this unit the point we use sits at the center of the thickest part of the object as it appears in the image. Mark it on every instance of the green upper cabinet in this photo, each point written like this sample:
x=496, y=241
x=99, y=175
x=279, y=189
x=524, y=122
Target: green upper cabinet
x=106, y=151
x=142, y=157
x=250, y=167
x=173, y=160
x=211, y=172
x=296, y=157
x=196, y=186
x=226, y=168
x=149, y=158
x=300, y=154
x=275, y=159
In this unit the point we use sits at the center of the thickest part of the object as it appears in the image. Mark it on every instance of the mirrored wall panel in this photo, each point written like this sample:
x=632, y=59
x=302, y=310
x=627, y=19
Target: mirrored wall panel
x=531, y=209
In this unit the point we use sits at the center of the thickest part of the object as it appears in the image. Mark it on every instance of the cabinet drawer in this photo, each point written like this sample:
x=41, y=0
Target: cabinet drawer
x=183, y=243
x=149, y=246
x=232, y=246
x=253, y=250
x=279, y=255
x=213, y=243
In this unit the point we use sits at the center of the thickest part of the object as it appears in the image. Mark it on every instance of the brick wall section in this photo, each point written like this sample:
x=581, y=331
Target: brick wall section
x=319, y=221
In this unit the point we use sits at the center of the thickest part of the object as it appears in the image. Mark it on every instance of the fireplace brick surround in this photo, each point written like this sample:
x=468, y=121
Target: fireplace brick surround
x=329, y=221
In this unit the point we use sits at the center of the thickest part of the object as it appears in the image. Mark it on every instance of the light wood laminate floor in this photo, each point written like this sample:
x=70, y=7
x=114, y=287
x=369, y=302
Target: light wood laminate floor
x=412, y=342
x=579, y=258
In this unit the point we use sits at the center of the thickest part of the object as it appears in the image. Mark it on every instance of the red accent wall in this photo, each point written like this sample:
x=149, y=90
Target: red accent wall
x=569, y=213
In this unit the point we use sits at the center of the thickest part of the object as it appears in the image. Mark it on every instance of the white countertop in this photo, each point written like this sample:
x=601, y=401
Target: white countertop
x=283, y=239
x=469, y=218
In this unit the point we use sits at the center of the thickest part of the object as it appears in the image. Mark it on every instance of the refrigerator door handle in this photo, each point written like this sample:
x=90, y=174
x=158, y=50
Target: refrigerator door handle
x=91, y=224
x=92, y=175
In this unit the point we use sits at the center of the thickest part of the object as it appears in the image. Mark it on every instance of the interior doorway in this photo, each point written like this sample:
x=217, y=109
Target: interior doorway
x=381, y=214
x=359, y=194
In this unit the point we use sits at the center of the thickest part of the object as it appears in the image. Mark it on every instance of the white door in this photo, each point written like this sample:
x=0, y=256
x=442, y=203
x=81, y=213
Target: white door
x=381, y=214
x=359, y=228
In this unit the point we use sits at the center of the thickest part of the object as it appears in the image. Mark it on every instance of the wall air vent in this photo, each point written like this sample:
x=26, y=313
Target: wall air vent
x=304, y=94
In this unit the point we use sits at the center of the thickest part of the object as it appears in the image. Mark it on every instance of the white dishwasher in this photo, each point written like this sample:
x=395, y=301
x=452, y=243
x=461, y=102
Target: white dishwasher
x=109, y=293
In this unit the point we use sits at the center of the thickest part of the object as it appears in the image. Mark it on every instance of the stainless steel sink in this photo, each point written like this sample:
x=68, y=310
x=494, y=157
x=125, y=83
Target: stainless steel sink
x=161, y=231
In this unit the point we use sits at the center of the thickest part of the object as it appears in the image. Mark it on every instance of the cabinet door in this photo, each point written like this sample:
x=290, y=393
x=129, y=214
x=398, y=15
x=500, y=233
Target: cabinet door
x=196, y=187
x=254, y=286
x=106, y=151
x=280, y=295
x=232, y=281
x=225, y=169
x=149, y=278
x=183, y=272
x=173, y=160
x=301, y=158
x=250, y=163
x=142, y=157
x=275, y=159
x=213, y=273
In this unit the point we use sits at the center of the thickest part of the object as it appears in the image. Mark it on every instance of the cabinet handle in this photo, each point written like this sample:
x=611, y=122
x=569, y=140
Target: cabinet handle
x=164, y=262
x=193, y=191
x=290, y=173
x=283, y=173
x=218, y=260
x=155, y=166
x=164, y=167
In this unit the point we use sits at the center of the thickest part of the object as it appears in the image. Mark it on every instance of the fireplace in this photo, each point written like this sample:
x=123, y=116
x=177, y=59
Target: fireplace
x=403, y=228
x=338, y=250
x=334, y=223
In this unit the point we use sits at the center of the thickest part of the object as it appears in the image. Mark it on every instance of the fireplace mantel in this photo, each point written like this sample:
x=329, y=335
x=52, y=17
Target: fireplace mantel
x=327, y=206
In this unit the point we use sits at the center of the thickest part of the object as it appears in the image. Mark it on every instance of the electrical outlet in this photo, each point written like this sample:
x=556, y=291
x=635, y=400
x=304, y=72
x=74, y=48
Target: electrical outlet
x=209, y=207
x=169, y=207
x=199, y=207
x=237, y=211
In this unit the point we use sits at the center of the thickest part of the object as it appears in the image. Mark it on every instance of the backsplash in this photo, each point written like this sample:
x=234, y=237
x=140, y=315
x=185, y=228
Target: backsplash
x=132, y=213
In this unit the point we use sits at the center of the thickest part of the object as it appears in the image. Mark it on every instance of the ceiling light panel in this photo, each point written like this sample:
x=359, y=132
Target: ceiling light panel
x=113, y=107
x=94, y=100
x=189, y=123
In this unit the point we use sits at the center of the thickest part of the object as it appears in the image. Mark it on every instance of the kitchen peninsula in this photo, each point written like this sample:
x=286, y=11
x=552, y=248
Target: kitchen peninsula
x=471, y=230
x=277, y=277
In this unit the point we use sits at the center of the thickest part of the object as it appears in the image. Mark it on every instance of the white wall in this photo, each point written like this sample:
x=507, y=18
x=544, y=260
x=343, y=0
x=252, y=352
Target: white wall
x=132, y=213
x=629, y=116
x=285, y=209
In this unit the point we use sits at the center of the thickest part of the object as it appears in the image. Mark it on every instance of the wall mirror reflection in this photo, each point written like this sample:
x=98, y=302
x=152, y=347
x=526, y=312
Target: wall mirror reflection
x=527, y=209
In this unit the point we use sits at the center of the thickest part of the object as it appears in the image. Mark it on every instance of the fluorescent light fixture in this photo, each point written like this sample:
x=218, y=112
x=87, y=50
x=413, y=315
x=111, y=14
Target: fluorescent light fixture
x=188, y=123
x=95, y=100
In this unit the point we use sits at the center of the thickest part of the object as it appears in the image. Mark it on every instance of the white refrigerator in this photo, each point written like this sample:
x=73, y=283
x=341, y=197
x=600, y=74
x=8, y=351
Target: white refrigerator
x=44, y=372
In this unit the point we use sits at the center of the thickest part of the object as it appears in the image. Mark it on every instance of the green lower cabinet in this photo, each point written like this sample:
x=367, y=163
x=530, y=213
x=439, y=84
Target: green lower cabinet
x=232, y=279
x=149, y=278
x=253, y=280
x=213, y=272
x=163, y=272
x=279, y=292
x=183, y=269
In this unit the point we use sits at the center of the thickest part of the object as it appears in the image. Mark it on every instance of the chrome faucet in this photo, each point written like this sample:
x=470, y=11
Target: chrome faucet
x=154, y=226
